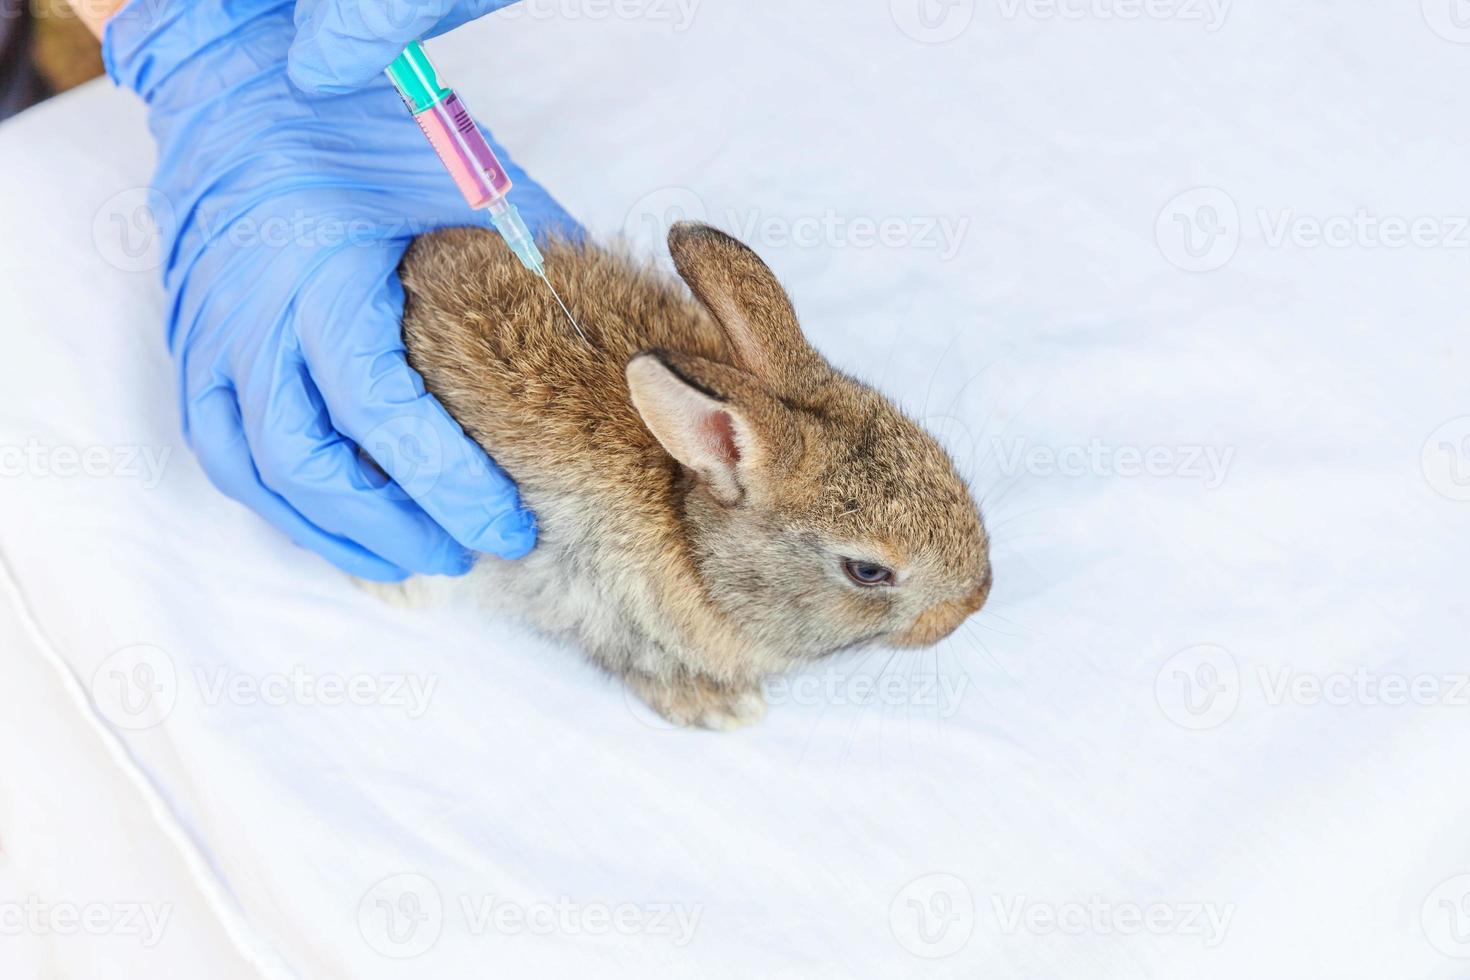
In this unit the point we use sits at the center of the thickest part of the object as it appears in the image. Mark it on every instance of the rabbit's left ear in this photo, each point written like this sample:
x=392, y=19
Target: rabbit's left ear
x=745, y=298
x=714, y=433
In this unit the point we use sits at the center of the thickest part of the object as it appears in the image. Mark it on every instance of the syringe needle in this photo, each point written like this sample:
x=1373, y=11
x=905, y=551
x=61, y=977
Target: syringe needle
x=468, y=156
x=570, y=319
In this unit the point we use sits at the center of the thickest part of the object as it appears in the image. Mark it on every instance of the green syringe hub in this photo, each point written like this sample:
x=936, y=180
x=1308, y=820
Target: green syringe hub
x=415, y=78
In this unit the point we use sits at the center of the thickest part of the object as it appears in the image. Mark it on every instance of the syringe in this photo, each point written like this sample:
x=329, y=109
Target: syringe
x=467, y=155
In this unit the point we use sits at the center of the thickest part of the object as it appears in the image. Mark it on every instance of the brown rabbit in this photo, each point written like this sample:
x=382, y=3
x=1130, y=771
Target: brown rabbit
x=715, y=502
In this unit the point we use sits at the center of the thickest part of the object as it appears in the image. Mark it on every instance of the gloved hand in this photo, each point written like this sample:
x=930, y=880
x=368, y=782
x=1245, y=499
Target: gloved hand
x=341, y=45
x=289, y=216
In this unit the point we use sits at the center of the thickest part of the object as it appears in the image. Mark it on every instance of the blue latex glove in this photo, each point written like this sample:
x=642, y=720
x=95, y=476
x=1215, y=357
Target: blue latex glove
x=341, y=45
x=289, y=216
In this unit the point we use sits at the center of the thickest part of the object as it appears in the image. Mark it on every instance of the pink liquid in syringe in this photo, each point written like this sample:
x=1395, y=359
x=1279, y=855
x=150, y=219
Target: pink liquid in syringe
x=464, y=151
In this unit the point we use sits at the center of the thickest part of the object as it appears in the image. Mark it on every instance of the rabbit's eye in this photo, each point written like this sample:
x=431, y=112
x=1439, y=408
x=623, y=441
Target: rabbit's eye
x=866, y=572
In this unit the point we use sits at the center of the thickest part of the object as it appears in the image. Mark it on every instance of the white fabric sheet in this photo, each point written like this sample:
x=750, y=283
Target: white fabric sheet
x=1242, y=466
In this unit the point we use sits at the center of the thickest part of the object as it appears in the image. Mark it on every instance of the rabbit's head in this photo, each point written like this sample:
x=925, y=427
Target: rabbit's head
x=820, y=517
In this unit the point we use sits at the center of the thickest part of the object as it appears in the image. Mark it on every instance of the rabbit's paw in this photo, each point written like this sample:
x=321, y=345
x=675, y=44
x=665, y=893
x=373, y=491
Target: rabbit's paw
x=694, y=700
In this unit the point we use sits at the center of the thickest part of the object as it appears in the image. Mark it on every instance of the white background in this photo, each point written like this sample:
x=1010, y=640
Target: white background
x=1179, y=234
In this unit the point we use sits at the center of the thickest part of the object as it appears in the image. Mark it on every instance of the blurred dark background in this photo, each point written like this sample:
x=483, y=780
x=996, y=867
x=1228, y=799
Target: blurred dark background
x=44, y=50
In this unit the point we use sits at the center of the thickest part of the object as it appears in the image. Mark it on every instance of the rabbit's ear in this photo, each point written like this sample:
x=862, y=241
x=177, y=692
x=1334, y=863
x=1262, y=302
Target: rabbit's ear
x=702, y=428
x=743, y=295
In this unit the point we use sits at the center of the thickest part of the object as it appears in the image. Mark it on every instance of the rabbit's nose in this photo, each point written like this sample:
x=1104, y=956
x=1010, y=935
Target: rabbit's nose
x=937, y=622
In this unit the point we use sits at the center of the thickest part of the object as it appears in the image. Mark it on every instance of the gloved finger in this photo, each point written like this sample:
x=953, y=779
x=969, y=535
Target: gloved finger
x=305, y=461
x=218, y=438
x=356, y=355
x=341, y=45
